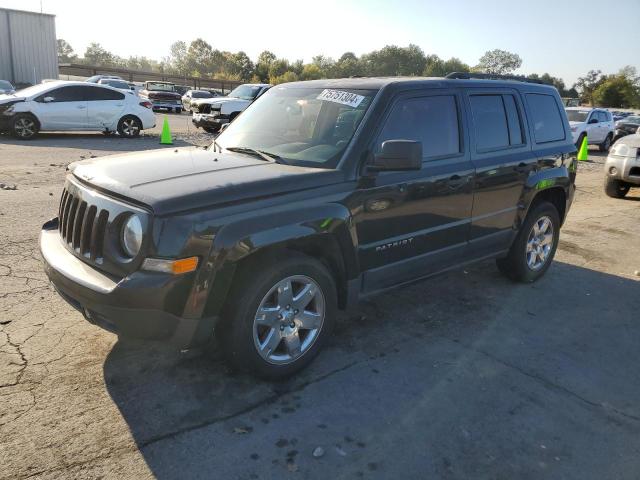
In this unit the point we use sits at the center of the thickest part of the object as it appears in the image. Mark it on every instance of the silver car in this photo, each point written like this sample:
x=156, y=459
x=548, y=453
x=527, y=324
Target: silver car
x=622, y=168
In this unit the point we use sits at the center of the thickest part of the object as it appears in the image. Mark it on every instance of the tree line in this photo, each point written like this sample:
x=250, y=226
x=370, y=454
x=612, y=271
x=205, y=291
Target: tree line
x=200, y=59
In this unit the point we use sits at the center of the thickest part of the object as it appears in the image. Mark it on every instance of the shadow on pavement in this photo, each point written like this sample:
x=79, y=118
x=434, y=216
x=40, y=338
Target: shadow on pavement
x=466, y=376
x=92, y=141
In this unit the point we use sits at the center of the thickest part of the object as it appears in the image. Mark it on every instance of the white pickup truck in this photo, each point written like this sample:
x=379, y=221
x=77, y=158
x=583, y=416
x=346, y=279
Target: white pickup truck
x=212, y=113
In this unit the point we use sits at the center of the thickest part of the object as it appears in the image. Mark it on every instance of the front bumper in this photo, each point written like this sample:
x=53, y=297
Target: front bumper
x=166, y=104
x=623, y=166
x=138, y=305
x=209, y=119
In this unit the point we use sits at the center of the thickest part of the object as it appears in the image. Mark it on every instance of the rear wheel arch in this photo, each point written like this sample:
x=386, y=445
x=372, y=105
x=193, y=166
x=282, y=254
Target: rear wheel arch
x=554, y=195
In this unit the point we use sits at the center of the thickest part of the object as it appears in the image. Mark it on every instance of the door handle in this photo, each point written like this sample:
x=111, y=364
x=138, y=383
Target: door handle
x=455, y=181
x=521, y=168
x=81, y=107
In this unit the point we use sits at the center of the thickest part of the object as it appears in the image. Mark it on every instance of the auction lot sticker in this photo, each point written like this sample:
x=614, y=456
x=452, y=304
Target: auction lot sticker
x=338, y=96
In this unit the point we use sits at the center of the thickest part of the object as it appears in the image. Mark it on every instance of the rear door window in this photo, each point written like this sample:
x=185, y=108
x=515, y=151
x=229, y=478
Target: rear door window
x=98, y=93
x=546, y=119
x=431, y=120
x=490, y=120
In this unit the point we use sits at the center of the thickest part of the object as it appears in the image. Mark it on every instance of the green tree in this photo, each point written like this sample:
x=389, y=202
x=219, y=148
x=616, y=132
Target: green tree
x=202, y=58
x=178, y=60
x=392, y=60
x=240, y=65
x=65, y=52
x=499, y=62
x=616, y=91
x=287, y=76
x=263, y=64
x=278, y=67
x=587, y=84
x=311, y=72
x=348, y=65
x=436, y=67
x=96, y=55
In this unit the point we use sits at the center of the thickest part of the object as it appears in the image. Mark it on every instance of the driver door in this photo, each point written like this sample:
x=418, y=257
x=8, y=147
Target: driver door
x=65, y=108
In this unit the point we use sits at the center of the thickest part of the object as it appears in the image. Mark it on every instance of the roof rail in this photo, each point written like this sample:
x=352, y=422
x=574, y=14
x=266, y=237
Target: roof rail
x=492, y=76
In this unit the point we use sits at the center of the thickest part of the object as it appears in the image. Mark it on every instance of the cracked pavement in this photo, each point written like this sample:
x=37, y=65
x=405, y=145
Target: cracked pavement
x=463, y=376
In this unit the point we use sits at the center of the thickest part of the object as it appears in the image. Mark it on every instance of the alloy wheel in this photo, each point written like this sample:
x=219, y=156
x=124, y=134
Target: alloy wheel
x=130, y=127
x=24, y=127
x=539, y=243
x=289, y=319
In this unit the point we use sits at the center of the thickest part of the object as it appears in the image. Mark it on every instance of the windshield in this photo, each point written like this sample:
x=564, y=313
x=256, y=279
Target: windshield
x=163, y=87
x=116, y=84
x=577, y=115
x=4, y=85
x=245, y=92
x=309, y=127
x=201, y=94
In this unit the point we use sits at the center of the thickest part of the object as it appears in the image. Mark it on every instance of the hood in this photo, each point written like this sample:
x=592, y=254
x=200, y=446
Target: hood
x=4, y=99
x=162, y=94
x=173, y=180
x=576, y=124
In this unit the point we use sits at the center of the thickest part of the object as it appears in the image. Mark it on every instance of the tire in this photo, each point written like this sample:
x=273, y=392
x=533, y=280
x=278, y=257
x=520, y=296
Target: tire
x=292, y=347
x=579, y=142
x=212, y=130
x=24, y=126
x=129, y=126
x=606, y=145
x=518, y=264
x=178, y=110
x=615, y=188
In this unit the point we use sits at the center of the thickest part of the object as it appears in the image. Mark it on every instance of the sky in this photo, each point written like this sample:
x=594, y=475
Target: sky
x=561, y=37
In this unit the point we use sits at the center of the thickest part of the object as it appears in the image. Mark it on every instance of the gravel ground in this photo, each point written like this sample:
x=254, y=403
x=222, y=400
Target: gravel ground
x=464, y=376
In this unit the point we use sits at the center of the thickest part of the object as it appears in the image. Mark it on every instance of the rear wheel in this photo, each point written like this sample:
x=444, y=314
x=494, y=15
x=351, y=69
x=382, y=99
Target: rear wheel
x=24, y=126
x=279, y=316
x=535, y=245
x=615, y=188
x=129, y=127
x=606, y=145
x=178, y=110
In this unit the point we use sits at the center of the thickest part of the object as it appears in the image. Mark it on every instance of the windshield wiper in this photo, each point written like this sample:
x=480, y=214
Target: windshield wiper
x=267, y=156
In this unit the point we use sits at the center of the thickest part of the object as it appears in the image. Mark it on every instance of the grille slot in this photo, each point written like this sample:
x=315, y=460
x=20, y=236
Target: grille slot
x=82, y=226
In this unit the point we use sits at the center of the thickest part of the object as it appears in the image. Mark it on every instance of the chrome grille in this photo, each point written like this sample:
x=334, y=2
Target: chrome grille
x=82, y=227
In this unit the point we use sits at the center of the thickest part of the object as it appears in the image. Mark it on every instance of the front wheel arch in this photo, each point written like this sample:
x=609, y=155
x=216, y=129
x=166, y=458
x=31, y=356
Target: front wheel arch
x=23, y=115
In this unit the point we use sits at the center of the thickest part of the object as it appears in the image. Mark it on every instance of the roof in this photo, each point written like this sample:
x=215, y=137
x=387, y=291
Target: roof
x=26, y=11
x=376, y=83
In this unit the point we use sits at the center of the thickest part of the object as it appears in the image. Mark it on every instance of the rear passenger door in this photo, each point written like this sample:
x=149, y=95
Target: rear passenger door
x=104, y=107
x=411, y=224
x=501, y=153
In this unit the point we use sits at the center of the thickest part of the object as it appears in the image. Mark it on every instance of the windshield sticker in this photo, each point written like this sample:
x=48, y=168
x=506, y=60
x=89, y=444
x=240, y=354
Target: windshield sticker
x=343, y=98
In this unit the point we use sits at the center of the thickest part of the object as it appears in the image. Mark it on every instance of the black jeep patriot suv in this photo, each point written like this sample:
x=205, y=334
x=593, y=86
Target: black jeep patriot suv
x=319, y=194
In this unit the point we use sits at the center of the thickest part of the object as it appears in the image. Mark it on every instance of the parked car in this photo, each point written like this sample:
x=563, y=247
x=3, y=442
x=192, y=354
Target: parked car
x=97, y=78
x=626, y=126
x=162, y=95
x=321, y=193
x=74, y=106
x=191, y=95
x=117, y=84
x=596, y=123
x=622, y=167
x=181, y=89
x=211, y=114
x=6, y=88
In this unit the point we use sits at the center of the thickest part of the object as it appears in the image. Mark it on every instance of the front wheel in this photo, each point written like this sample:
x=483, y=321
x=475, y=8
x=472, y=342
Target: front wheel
x=535, y=245
x=129, y=127
x=24, y=126
x=279, y=315
x=615, y=188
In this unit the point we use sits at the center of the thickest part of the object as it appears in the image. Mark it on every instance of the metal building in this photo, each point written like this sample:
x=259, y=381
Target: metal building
x=28, y=48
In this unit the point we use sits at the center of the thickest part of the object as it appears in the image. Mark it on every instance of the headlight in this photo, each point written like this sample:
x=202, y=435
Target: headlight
x=8, y=110
x=132, y=236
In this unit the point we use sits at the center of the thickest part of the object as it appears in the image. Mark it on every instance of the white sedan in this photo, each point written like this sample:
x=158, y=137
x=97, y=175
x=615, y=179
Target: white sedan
x=82, y=106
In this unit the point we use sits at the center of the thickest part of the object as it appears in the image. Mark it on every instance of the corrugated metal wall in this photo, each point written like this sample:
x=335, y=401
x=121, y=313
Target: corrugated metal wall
x=28, y=49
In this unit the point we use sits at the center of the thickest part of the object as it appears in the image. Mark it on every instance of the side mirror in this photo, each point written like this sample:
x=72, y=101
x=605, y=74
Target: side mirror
x=398, y=155
x=594, y=120
x=48, y=99
x=223, y=127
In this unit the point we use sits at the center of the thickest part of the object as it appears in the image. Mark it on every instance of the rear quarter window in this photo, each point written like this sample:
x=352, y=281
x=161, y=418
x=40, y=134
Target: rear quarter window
x=546, y=118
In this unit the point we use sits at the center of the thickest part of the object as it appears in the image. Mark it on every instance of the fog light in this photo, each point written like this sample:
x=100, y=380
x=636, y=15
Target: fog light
x=613, y=170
